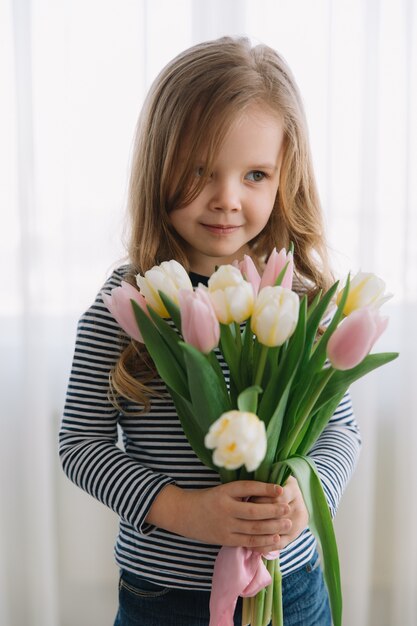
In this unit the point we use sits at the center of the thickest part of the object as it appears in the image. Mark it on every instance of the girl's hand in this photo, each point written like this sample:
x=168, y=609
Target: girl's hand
x=297, y=511
x=249, y=513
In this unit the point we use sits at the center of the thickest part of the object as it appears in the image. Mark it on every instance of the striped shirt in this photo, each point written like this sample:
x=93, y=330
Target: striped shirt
x=156, y=453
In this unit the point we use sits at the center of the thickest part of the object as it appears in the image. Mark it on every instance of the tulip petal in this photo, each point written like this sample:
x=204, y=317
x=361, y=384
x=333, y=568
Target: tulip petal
x=238, y=438
x=274, y=266
x=199, y=323
x=250, y=273
x=275, y=315
x=120, y=306
x=355, y=337
x=366, y=290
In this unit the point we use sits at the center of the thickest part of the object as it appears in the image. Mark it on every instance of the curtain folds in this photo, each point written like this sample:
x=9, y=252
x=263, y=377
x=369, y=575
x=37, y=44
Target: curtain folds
x=73, y=76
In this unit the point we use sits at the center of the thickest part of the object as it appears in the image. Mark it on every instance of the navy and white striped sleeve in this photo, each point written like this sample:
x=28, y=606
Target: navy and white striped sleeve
x=336, y=452
x=88, y=436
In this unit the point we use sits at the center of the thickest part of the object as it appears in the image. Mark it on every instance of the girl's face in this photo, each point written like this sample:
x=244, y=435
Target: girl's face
x=235, y=204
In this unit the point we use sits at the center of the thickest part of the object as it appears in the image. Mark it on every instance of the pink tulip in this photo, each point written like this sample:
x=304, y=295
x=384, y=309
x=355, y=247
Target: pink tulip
x=354, y=338
x=275, y=265
x=250, y=273
x=199, y=324
x=120, y=306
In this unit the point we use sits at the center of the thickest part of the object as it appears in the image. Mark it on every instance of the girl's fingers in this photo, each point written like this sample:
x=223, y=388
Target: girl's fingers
x=263, y=500
x=259, y=511
x=258, y=543
x=253, y=488
x=264, y=527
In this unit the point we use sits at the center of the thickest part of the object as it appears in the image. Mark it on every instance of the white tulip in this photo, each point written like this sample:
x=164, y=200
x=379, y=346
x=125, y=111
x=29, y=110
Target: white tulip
x=238, y=438
x=225, y=276
x=168, y=277
x=365, y=290
x=231, y=295
x=275, y=315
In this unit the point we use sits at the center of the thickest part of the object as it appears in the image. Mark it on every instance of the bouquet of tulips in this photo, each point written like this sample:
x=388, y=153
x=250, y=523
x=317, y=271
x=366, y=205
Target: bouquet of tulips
x=287, y=377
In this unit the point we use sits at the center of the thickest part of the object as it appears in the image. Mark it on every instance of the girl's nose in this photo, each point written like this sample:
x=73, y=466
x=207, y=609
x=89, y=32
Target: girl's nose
x=226, y=196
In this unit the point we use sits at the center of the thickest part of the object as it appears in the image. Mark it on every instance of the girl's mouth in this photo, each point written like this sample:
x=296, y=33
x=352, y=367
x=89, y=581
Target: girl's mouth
x=220, y=229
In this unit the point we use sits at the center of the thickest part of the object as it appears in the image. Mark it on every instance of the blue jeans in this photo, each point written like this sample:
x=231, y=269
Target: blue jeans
x=142, y=603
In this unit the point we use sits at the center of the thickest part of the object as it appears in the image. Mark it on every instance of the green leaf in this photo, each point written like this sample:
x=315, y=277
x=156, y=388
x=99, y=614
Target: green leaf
x=314, y=319
x=318, y=423
x=281, y=275
x=310, y=366
x=347, y=377
x=192, y=429
x=246, y=356
x=287, y=369
x=299, y=424
x=341, y=380
x=319, y=355
x=218, y=370
x=171, y=338
x=273, y=433
x=320, y=523
x=295, y=348
x=172, y=309
x=195, y=436
x=230, y=352
x=271, y=366
x=333, y=393
x=166, y=363
x=207, y=396
x=314, y=303
x=248, y=399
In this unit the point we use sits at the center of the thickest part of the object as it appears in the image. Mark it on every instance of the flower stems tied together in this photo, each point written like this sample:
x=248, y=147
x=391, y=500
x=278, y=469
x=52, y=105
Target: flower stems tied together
x=286, y=380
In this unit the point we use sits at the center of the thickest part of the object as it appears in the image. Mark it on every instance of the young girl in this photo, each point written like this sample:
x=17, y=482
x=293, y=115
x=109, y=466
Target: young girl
x=221, y=168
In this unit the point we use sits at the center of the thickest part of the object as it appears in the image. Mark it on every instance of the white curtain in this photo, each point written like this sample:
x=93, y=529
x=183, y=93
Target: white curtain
x=73, y=74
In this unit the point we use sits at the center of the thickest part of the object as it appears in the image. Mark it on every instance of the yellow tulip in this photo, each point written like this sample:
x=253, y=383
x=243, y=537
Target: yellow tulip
x=366, y=290
x=168, y=277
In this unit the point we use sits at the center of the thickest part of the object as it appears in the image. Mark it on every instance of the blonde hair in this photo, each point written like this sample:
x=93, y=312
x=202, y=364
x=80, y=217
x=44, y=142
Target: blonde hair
x=191, y=104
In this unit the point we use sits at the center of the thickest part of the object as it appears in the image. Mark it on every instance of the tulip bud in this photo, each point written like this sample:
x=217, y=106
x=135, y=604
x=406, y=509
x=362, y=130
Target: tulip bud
x=248, y=270
x=199, y=324
x=120, y=306
x=354, y=338
x=274, y=267
x=239, y=438
x=168, y=277
x=231, y=295
x=275, y=315
x=365, y=290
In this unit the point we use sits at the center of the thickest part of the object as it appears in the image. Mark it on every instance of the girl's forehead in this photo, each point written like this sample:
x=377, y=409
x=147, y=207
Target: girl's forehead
x=259, y=114
x=203, y=136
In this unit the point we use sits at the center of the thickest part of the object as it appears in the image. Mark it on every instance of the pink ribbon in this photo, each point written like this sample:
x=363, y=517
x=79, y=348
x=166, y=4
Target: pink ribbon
x=237, y=572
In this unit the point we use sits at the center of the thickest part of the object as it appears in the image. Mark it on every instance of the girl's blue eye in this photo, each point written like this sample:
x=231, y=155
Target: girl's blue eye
x=199, y=171
x=255, y=176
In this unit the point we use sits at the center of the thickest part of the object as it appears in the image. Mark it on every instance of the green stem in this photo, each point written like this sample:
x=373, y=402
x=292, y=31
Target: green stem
x=238, y=337
x=287, y=451
x=277, y=612
x=270, y=566
x=259, y=608
x=246, y=611
x=227, y=476
x=252, y=610
x=277, y=474
x=228, y=349
x=261, y=365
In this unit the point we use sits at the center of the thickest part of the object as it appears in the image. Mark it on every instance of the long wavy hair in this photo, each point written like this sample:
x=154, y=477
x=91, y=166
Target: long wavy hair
x=188, y=111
